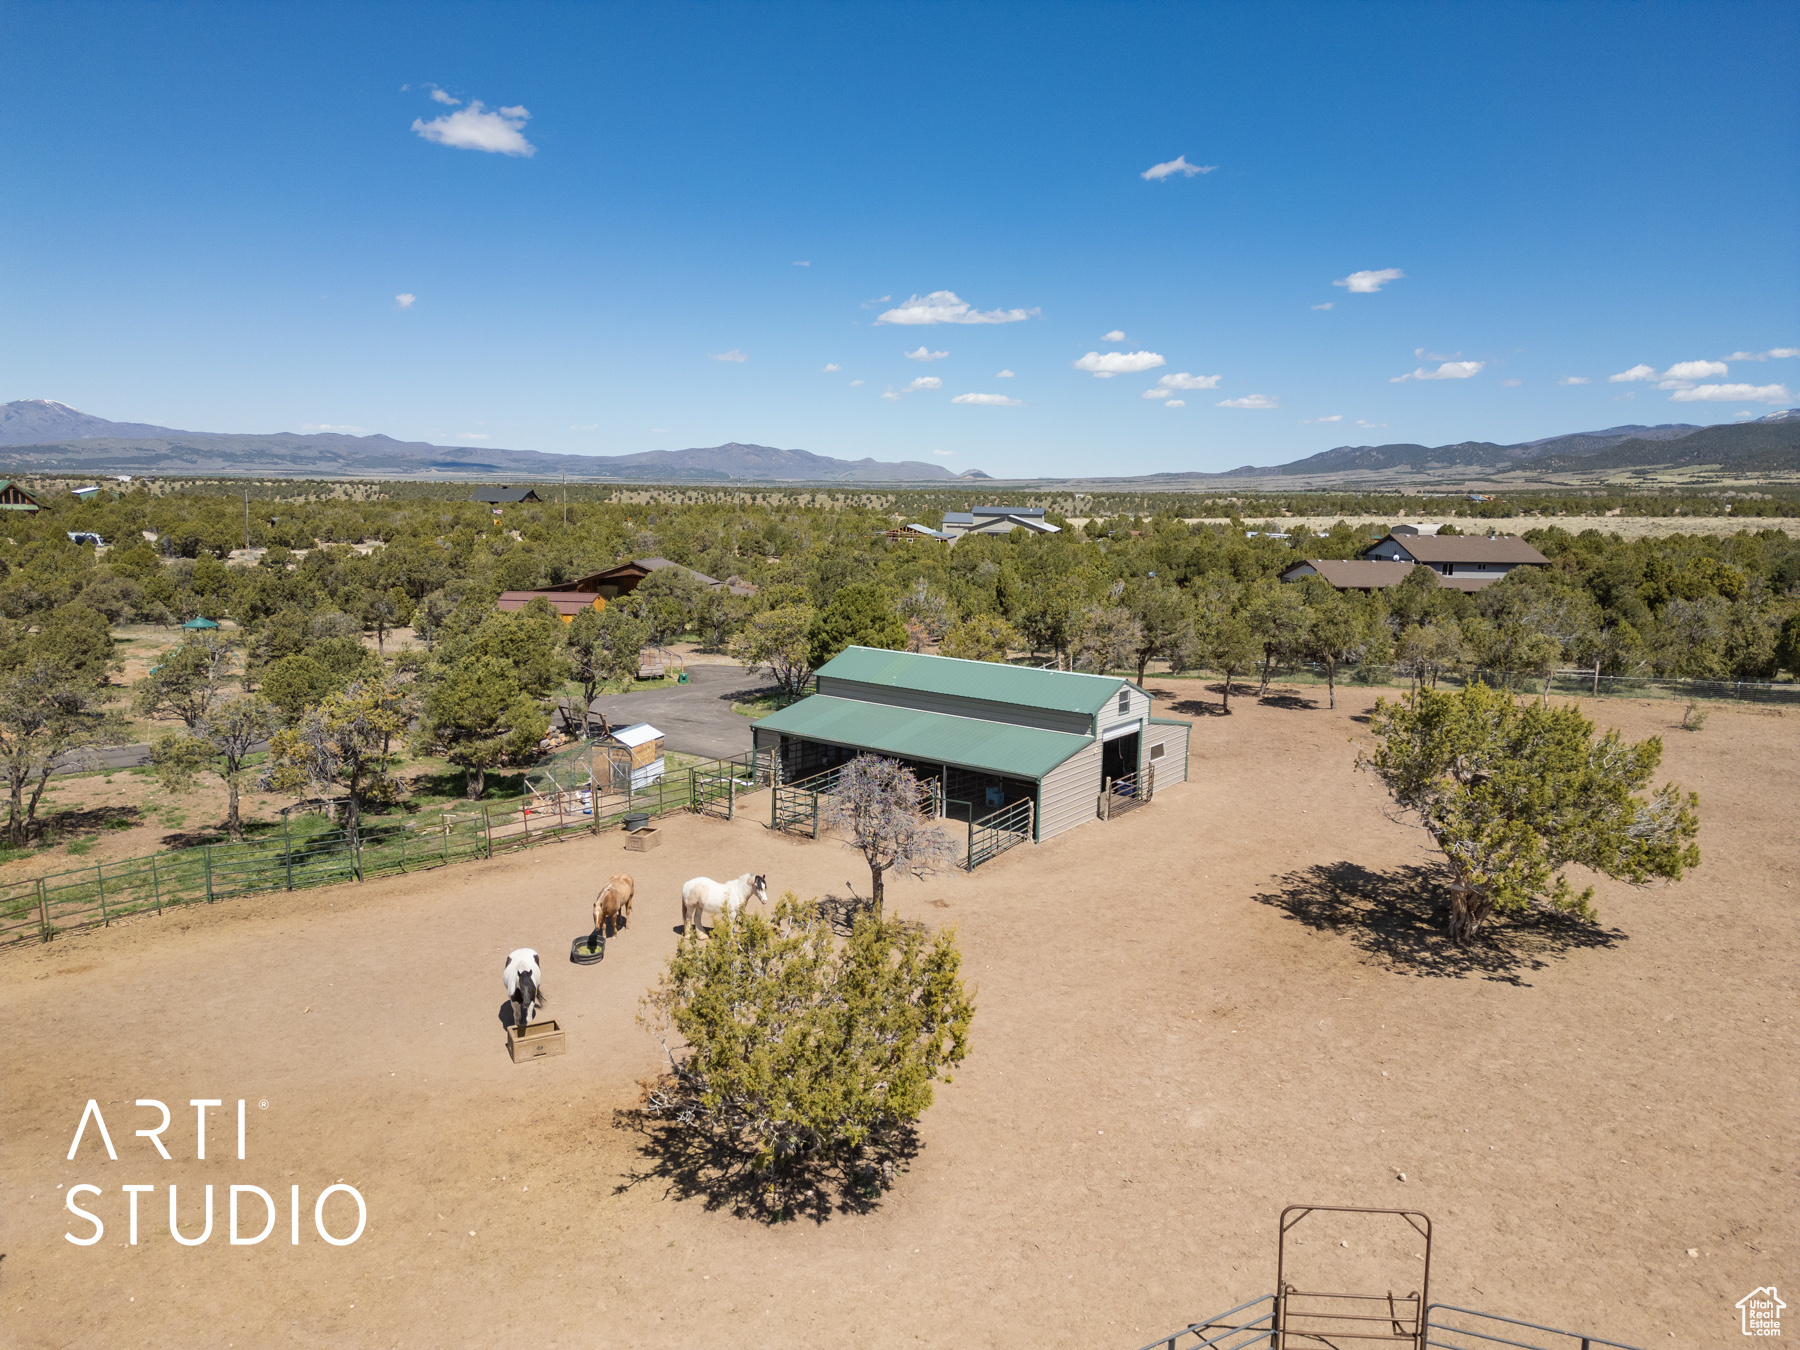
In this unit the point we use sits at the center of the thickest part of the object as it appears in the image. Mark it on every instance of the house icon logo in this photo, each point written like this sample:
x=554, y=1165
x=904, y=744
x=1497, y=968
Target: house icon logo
x=1761, y=1309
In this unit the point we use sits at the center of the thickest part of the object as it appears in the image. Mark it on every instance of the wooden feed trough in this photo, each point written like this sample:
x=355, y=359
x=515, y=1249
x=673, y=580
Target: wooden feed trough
x=539, y=1040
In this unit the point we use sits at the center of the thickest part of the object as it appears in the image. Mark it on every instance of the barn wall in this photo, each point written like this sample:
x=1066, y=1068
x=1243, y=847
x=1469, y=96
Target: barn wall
x=1070, y=793
x=1137, y=709
x=1173, y=737
x=1010, y=713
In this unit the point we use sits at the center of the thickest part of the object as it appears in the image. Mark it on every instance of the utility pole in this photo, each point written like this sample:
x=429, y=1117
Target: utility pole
x=565, y=474
x=246, y=519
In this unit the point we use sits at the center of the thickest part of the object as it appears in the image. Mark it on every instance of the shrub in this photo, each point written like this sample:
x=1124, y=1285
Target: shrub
x=799, y=1055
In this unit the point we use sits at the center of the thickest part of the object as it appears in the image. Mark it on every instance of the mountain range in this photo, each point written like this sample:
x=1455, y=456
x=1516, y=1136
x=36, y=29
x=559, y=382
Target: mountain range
x=43, y=436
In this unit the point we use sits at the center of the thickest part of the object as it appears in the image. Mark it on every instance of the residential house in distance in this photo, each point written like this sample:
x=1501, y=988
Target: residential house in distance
x=15, y=498
x=569, y=598
x=998, y=520
x=1463, y=562
x=504, y=496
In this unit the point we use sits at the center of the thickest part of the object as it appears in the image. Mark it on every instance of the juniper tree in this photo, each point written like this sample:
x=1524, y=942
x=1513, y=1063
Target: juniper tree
x=221, y=743
x=790, y=1050
x=1514, y=795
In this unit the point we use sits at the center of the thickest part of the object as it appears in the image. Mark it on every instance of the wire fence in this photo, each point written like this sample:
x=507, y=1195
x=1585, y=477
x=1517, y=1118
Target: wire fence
x=1573, y=683
x=314, y=851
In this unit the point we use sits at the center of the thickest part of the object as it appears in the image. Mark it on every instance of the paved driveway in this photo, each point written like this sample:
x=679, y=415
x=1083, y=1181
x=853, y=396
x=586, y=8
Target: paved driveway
x=696, y=717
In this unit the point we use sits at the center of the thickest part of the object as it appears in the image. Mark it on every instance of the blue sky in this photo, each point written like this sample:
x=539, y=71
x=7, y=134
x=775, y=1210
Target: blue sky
x=212, y=212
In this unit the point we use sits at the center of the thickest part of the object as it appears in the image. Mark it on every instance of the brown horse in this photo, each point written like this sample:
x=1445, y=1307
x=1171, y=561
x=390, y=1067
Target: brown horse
x=612, y=907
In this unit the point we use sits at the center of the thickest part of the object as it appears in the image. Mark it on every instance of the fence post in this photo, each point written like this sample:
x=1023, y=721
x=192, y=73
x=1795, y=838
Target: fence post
x=446, y=838
x=206, y=857
x=487, y=828
x=156, y=884
x=815, y=833
x=774, y=804
x=287, y=853
x=100, y=881
x=356, y=851
x=43, y=911
x=731, y=791
x=403, y=846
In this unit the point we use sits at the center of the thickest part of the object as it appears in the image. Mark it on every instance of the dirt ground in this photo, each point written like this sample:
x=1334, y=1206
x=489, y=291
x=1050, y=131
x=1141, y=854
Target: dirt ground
x=1159, y=1064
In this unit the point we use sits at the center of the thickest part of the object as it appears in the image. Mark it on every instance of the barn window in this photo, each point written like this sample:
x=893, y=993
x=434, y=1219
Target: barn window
x=1124, y=701
x=1156, y=751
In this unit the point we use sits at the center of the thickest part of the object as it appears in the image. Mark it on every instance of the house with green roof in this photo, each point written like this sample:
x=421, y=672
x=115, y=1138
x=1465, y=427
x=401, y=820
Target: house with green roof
x=991, y=734
x=15, y=498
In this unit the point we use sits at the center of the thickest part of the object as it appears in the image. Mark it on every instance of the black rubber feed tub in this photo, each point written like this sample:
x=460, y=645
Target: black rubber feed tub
x=584, y=952
x=636, y=820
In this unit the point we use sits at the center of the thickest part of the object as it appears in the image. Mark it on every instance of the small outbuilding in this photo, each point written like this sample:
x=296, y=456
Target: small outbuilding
x=199, y=623
x=991, y=735
x=631, y=756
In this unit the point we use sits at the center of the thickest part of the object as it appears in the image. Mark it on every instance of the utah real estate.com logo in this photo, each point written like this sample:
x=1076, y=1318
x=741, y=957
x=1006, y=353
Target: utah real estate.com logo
x=1762, y=1311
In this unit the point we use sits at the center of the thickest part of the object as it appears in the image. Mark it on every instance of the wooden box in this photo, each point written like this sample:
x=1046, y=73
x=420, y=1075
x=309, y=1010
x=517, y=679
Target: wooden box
x=540, y=1040
x=642, y=841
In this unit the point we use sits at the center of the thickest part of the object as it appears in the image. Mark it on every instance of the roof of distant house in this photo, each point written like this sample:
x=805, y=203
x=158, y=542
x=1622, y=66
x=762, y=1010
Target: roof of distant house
x=1372, y=574
x=503, y=495
x=1466, y=548
x=1009, y=511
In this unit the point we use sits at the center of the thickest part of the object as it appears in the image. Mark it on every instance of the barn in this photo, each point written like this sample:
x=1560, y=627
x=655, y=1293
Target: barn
x=991, y=735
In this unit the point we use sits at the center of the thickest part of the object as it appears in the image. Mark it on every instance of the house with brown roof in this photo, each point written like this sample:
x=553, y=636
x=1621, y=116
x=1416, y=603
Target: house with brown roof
x=569, y=598
x=1364, y=574
x=1459, y=558
x=504, y=496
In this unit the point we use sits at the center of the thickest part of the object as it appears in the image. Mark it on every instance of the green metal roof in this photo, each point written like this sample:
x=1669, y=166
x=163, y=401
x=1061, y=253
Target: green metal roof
x=966, y=742
x=1061, y=691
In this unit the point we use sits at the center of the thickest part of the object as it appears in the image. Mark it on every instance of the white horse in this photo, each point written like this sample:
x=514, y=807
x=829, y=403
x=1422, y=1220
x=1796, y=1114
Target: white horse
x=703, y=899
x=523, y=977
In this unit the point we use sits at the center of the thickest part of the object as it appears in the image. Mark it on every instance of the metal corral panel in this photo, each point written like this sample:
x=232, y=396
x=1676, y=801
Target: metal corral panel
x=1070, y=795
x=990, y=681
x=1172, y=734
x=966, y=742
x=1075, y=723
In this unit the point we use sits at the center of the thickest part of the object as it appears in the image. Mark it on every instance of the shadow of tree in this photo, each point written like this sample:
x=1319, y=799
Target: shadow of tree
x=68, y=822
x=697, y=1162
x=1400, y=917
x=1293, y=702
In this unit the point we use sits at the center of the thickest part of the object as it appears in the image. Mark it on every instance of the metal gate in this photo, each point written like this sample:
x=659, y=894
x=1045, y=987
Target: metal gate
x=795, y=806
x=713, y=787
x=1119, y=795
x=992, y=835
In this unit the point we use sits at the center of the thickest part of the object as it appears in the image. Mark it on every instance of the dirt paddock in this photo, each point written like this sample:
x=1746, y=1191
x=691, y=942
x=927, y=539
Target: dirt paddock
x=1159, y=1063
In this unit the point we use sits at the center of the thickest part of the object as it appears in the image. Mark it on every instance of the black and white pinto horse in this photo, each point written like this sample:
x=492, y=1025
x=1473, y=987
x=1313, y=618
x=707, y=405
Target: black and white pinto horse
x=523, y=977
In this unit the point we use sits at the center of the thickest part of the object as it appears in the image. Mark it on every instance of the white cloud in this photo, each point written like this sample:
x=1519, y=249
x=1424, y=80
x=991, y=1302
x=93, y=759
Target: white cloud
x=990, y=400
x=1424, y=355
x=472, y=436
x=945, y=453
x=854, y=383
x=1117, y=335
x=1335, y=417
x=1250, y=401
x=1637, y=372
x=1695, y=370
x=1732, y=393
x=878, y=300
x=1179, y=165
x=439, y=96
x=1156, y=393
x=1774, y=353
x=890, y=396
x=1004, y=375
x=1326, y=305
x=948, y=307
x=501, y=132
x=404, y=300
x=1370, y=425
x=340, y=431
x=803, y=264
x=830, y=368
x=1574, y=379
x=733, y=355
x=1511, y=384
x=1182, y=380
x=924, y=382
x=1367, y=283
x=924, y=353
x=1450, y=370
x=1176, y=403
x=1105, y=365
x=584, y=426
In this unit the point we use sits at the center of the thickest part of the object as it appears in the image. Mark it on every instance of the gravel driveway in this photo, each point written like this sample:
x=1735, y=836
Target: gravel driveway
x=696, y=717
